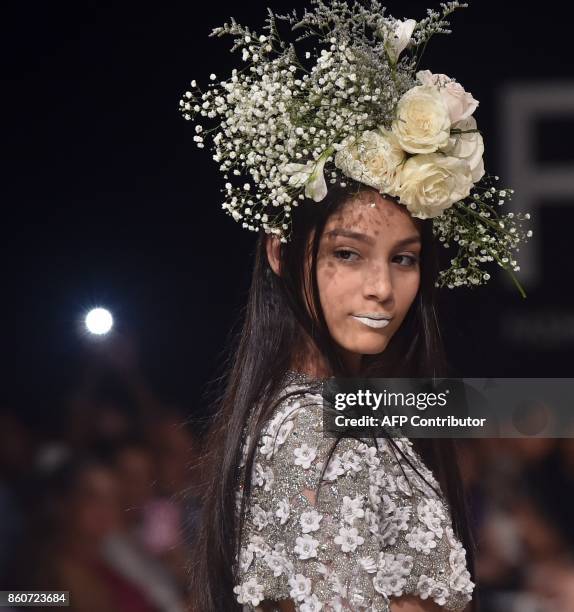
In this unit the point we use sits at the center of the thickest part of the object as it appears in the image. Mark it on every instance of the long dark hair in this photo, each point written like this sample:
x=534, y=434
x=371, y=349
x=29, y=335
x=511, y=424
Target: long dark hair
x=276, y=326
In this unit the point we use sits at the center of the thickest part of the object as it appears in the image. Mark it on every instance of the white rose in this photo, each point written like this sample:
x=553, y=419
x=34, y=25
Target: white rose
x=399, y=38
x=422, y=124
x=468, y=146
x=460, y=103
x=372, y=158
x=432, y=183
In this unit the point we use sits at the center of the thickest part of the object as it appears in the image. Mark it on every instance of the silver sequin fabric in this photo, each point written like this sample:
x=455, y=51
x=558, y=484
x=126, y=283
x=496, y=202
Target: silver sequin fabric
x=365, y=531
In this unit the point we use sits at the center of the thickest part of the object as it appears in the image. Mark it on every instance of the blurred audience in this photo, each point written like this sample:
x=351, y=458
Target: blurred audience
x=108, y=509
x=521, y=495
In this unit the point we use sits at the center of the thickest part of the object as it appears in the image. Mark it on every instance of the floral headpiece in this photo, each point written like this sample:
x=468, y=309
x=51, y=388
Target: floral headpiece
x=355, y=107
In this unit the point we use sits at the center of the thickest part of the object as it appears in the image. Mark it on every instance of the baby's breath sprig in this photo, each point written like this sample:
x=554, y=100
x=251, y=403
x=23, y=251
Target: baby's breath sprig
x=277, y=111
x=434, y=23
x=353, y=109
x=481, y=235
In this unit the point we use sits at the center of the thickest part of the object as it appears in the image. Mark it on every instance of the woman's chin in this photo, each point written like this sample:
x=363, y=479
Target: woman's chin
x=374, y=350
x=367, y=346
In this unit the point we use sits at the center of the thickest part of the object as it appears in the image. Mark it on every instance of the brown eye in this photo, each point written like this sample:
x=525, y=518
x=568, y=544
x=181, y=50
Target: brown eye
x=410, y=260
x=346, y=255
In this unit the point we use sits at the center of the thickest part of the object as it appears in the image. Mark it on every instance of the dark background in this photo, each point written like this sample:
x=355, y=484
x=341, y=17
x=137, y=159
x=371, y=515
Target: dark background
x=107, y=201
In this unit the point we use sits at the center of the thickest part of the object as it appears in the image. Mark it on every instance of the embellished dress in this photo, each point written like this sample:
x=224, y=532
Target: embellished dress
x=370, y=529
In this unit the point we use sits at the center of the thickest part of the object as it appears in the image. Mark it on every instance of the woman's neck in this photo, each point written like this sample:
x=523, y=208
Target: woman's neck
x=311, y=362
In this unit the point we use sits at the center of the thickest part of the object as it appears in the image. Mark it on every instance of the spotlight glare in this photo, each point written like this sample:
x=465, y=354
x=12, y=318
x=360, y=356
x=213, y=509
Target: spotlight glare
x=99, y=321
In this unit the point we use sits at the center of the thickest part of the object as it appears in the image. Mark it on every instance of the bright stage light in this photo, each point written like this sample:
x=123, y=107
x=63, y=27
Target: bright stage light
x=99, y=321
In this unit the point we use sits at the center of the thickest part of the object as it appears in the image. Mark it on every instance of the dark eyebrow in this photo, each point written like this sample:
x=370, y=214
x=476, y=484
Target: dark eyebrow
x=364, y=238
x=350, y=234
x=409, y=240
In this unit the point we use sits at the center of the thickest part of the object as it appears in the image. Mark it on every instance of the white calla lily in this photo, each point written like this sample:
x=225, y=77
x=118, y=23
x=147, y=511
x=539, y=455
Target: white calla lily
x=299, y=173
x=316, y=188
x=399, y=38
x=311, y=175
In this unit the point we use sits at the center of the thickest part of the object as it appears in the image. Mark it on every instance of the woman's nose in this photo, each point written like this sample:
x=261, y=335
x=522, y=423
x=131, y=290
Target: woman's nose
x=378, y=283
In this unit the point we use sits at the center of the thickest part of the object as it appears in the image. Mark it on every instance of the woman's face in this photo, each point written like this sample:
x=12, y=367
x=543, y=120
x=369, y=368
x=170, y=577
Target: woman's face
x=368, y=272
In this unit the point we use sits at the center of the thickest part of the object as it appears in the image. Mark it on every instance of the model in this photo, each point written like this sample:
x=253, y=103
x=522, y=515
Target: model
x=352, y=165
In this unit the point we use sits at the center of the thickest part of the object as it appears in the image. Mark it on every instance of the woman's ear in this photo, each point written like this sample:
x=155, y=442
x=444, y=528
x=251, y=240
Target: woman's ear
x=273, y=246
